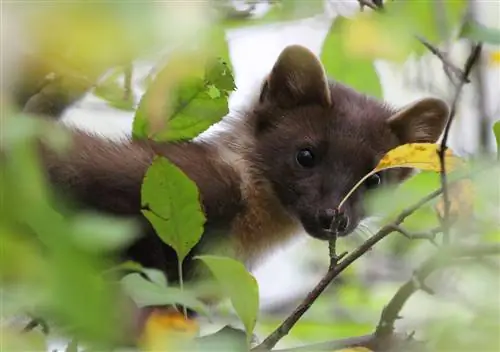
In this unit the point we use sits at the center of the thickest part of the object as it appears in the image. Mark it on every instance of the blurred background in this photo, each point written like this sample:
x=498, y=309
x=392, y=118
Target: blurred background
x=115, y=50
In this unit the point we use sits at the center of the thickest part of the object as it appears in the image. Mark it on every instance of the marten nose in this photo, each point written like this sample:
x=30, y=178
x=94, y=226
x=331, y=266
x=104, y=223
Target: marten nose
x=331, y=219
x=326, y=218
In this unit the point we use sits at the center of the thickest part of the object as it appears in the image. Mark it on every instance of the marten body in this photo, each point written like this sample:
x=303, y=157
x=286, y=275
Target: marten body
x=277, y=169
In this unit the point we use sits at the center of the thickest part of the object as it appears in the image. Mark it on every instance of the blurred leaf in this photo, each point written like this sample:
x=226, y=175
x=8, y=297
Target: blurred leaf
x=99, y=233
x=147, y=293
x=429, y=19
x=494, y=58
x=390, y=201
x=193, y=107
x=370, y=37
x=168, y=331
x=239, y=285
x=13, y=341
x=172, y=206
x=72, y=346
x=280, y=11
x=496, y=131
x=113, y=93
x=156, y=276
x=359, y=73
x=480, y=33
x=461, y=198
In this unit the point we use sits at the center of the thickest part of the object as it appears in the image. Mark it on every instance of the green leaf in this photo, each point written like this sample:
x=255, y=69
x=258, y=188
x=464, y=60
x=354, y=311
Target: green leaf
x=285, y=10
x=72, y=346
x=496, y=131
x=481, y=33
x=147, y=293
x=358, y=73
x=102, y=233
x=194, y=107
x=239, y=285
x=156, y=276
x=113, y=93
x=173, y=206
x=421, y=17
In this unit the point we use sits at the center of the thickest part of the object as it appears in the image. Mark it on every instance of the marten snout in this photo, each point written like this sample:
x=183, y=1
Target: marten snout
x=332, y=220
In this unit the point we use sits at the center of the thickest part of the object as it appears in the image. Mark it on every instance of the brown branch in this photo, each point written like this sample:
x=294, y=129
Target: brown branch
x=471, y=60
x=445, y=257
x=127, y=86
x=292, y=319
x=370, y=4
x=395, y=342
x=428, y=235
x=448, y=66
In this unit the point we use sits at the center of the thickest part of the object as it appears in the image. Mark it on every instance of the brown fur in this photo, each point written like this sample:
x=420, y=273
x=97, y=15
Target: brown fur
x=255, y=195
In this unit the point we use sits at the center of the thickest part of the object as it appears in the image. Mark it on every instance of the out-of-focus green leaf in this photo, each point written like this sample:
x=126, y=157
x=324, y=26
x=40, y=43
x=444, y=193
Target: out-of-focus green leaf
x=194, y=107
x=13, y=341
x=285, y=10
x=239, y=285
x=98, y=233
x=172, y=206
x=72, y=346
x=113, y=93
x=496, y=131
x=147, y=293
x=358, y=73
x=481, y=33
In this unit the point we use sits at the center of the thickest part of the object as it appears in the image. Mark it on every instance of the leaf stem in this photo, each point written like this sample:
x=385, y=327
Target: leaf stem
x=181, y=284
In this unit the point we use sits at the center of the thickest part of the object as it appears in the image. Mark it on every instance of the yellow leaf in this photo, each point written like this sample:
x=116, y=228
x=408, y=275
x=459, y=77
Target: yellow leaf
x=494, y=58
x=461, y=198
x=165, y=330
x=423, y=156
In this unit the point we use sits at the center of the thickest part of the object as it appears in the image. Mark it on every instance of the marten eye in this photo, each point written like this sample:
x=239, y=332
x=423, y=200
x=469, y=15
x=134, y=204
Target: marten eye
x=373, y=181
x=305, y=158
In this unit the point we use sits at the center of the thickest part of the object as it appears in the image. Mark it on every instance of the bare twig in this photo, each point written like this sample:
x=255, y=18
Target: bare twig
x=127, y=86
x=471, y=60
x=368, y=3
x=448, y=66
x=428, y=235
x=292, y=319
x=395, y=342
x=34, y=322
x=445, y=257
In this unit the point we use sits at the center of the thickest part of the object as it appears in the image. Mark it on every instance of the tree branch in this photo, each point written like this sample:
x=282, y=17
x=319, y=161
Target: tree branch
x=471, y=60
x=333, y=272
x=445, y=257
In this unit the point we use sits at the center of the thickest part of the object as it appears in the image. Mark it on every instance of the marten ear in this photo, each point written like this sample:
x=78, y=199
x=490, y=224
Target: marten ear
x=297, y=78
x=420, y=122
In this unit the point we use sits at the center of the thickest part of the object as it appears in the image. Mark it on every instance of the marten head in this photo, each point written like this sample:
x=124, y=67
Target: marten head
x=316, y=138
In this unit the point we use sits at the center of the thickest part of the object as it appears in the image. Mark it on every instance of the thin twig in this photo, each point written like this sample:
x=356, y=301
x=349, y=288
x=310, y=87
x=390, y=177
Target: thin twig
x=428, y=235
x=445, y=257
x=471, y=60
x=369, y=4
x=292, y=319
x=447, y=64
x=127, y=84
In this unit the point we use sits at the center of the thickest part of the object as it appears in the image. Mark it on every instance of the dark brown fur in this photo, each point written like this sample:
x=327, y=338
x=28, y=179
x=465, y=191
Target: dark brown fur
x=255, y=195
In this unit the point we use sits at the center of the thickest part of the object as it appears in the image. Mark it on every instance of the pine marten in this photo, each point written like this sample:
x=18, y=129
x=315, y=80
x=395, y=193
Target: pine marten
x=280, y=167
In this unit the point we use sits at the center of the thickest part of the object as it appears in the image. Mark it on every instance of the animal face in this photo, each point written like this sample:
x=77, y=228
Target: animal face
x=315, y=139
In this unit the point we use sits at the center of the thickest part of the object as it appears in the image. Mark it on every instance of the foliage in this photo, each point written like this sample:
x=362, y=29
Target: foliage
x=56, y=261
x=244, y=296
x=338, y=61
